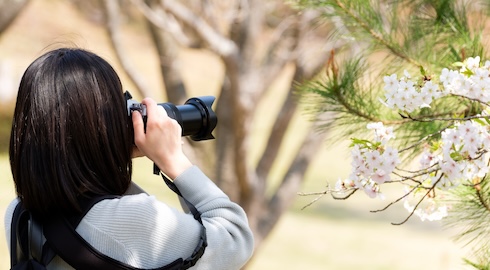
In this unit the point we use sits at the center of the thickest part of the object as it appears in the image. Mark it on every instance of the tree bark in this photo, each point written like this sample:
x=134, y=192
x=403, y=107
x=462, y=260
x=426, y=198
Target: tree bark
x=112, y=15
x=9, y=9
x=168, y=51
x=254, y=52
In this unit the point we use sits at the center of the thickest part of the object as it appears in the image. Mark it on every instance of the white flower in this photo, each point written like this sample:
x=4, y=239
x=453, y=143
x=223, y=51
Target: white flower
x=373, y=159
x=471, y=144
x=430, y=209
x=432, y=214
x=480, y=75
x=449, y=138
x=402, y=101
x=407, y=75
x=428, y=159
x=444, y=77
x=357, y=158
x=390, y=100
x=363, y=170
x=417, y=101
x=391, y=82
x=381, y=133
x=390, y=159
x=406, y=86
x=452, y=174
x=468, y=127
x=481, y=165
x=372, y=190
x=487, y=64
x=377, y=125
x=339, y=185
x=451, y=80
x=470, y=89
x=472, y=62
x=431, y=90
x=380, y=176
x=485, y=137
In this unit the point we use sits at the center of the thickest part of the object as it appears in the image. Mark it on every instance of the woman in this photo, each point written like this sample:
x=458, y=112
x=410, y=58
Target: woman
x=72, y=138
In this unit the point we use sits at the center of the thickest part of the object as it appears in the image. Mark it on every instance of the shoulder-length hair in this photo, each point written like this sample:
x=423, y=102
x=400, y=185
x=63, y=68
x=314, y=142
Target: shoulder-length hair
x=71, y=135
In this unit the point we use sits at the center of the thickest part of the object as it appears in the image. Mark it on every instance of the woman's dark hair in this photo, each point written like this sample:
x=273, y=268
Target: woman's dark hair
x=71, y=136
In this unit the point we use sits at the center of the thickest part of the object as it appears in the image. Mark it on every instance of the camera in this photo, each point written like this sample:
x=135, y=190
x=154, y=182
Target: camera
x=195, y=116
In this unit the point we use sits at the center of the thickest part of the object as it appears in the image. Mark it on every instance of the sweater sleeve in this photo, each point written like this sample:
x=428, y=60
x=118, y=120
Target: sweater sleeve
x=9, y=212
x=230, y=240
x=146, y=233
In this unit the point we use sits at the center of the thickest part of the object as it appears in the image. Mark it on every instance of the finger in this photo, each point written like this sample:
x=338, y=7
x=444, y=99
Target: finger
x=138, y=126
x=161, y=111
x=152, y=108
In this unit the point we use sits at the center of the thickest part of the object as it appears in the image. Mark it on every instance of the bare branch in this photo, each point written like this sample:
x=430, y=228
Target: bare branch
x=395, y=201
x=111, y=8
x=284, y=194
x=350, y=191
x=218, y=43
x=418, y=203
x=284, y=117
x=163, y=21
x=320, y=195
x=279, y=31
x=276, y=136
x=9, y=11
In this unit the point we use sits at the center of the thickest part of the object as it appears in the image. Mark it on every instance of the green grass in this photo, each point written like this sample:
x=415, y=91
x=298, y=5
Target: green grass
x=314, y=242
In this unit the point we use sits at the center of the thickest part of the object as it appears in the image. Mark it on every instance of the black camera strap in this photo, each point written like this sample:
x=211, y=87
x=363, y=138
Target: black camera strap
x=203, y=242
x=63, y=239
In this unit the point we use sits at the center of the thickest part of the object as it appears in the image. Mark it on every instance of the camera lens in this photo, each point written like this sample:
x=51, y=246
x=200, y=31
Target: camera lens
x=196, y=117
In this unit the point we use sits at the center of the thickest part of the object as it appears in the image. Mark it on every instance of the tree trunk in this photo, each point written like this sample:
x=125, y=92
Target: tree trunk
x=168, y=51
x=9, y=9
x=254, y=51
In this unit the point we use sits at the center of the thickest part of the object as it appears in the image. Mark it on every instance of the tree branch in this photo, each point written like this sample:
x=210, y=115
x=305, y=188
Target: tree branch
x=163, y=22
x=9, y=11
x=218, y=43
x=111, y=8
x=276, y=136
x=284, y=194
x=418, y=203
x=303, y=71
x=377, y=36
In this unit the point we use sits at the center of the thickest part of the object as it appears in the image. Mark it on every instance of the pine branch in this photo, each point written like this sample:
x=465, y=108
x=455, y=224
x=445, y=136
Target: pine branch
x=378, y=37
x=471, y=213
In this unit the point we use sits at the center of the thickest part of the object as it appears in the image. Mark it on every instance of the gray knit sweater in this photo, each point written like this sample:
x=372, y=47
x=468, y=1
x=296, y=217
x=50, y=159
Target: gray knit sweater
x=146, y=233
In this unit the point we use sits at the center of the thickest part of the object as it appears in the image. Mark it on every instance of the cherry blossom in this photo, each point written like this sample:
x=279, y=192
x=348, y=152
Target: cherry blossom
x=458, y=156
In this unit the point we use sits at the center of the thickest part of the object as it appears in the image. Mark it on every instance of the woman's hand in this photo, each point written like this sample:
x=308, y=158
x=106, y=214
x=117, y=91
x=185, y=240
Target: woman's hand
x=162, y=142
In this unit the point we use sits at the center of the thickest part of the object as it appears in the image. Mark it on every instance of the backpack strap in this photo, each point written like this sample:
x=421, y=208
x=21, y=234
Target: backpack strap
x=16, y=254
x=72, y=248
x=21, y=247
x=28, y=242
x=60, y=238
x=63, y=239
x=37, y=240
x=203, y=243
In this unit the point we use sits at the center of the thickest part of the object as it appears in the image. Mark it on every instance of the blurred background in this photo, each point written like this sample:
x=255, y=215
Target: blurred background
x=250, y=55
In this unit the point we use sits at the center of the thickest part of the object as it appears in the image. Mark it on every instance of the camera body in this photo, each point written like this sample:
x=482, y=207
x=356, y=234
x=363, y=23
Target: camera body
x=195, y=116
